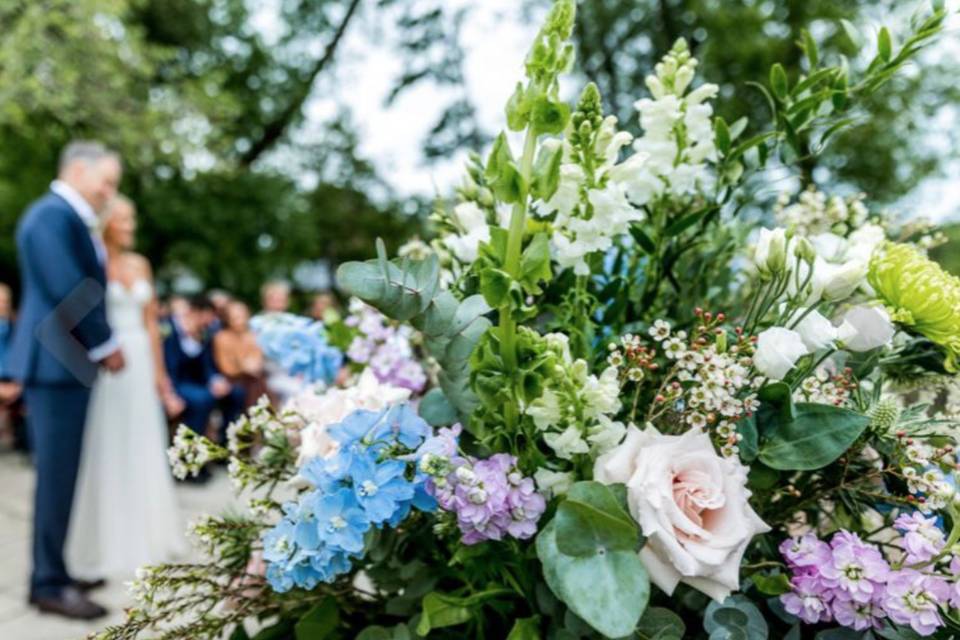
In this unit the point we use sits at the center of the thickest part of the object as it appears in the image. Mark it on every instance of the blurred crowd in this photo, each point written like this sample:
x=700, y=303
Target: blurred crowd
x=216, y=369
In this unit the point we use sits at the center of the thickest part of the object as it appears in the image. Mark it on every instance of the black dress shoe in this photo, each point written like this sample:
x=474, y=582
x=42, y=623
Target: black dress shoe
x=90, y=585
x=71, y=603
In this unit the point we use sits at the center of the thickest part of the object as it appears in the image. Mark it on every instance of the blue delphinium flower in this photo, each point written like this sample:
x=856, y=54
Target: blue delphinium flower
x=340, y=520
x=298, y=345
x=380, y=488
x=368, y=483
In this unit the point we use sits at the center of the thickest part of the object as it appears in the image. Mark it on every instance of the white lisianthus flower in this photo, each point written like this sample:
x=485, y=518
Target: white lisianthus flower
x=553, y=483
x=472, y=221
x=863, y=241
x=866, y=327
x=566, y=443
x=770, y=252
x=692, y=505
x=839, y=281
x=816, y=331
x=778, y=349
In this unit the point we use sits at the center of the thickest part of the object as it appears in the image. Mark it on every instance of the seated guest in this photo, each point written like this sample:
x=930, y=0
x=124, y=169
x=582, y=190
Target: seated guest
x=12, y=426
x=237, y=354
x=188, y=355
x=324, y=308
x=275, y=296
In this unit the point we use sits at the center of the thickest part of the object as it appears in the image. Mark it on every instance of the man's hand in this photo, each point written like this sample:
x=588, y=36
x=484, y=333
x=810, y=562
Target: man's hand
x=9, y=392
x=114, y=362
x=219, y=387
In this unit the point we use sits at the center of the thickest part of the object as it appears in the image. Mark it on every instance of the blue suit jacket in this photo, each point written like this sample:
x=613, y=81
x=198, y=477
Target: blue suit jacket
x=63, y=310
x=185, y=369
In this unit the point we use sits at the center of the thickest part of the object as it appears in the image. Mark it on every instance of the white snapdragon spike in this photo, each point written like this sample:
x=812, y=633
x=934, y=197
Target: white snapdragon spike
x=471, y=221
x=576, y=413
x=778, y=350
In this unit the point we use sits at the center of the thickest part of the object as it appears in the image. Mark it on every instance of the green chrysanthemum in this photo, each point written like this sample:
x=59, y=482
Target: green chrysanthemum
x=919, y=294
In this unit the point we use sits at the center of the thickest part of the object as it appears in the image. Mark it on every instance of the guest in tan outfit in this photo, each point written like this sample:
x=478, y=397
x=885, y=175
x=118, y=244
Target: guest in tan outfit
x=237, y=355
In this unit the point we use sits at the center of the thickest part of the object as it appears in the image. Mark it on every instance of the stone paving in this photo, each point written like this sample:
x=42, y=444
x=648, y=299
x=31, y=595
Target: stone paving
x=21, y=622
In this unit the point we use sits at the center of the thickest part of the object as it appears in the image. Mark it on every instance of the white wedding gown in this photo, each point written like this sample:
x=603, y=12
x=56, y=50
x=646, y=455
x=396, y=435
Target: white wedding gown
x=125, y=512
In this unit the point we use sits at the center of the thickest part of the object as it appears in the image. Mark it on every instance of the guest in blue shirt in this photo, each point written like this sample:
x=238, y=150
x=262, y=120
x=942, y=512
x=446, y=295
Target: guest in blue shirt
x=188, y=354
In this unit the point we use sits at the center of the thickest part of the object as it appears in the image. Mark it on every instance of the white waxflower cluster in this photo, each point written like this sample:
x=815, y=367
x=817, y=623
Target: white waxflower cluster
x=575, y=412
x=934, y=490
x=244, y=430
x=717, y=388
x=190, y=452
x=814, y=212
x=822, y=388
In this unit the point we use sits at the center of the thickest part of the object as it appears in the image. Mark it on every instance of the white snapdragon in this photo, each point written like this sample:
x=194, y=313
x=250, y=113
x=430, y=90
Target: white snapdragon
x=576, y=413
x=471, y=222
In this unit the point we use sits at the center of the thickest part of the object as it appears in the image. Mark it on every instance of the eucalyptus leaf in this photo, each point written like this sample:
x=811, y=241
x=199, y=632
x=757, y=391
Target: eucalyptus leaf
x=659, y=623
x=609, y=590
x=590, y=521
x=436, y=410
x=818, y=435
x=736, y=617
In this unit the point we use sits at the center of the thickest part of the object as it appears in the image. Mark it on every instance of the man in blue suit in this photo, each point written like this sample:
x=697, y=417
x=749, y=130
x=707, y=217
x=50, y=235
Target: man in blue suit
x=61, y=340
x=188, y=354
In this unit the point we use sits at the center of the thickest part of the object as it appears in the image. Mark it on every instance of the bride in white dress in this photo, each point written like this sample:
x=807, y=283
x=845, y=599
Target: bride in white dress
x=125, y=511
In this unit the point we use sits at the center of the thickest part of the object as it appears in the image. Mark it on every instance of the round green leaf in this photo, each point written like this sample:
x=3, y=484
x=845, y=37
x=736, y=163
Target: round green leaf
x=609, y=590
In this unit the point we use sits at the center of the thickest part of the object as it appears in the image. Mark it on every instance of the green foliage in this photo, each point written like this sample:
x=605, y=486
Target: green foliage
x=410, y=291
x=816, y=436
x=590, y=562
x=736, y=619
x=608, y=590
x=658, y=623
x=318, y=623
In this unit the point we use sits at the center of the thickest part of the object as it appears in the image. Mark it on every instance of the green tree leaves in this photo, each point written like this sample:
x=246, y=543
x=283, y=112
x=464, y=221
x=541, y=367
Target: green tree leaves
x=590, y=560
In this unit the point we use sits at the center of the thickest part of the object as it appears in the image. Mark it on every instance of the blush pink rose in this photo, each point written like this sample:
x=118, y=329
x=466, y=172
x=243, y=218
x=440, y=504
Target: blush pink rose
x=692, y=505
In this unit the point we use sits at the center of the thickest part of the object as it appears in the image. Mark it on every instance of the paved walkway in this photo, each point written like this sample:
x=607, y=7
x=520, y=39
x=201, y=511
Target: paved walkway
x=20, y=622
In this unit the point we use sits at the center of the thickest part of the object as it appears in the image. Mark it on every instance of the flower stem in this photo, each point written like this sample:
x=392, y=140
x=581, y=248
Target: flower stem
x=508, y=326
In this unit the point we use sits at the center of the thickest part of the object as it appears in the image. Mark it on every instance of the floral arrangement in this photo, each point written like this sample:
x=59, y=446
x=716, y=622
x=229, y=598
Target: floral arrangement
x=298, y=345
x=370, y=340
x=651, y=418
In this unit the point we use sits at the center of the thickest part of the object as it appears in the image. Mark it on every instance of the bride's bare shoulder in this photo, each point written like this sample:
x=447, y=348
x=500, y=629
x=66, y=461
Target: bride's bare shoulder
x=138, y=264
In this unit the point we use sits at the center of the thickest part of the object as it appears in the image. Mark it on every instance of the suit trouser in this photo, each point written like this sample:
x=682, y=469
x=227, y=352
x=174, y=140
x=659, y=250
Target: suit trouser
x=56, y=416
x=200, y=403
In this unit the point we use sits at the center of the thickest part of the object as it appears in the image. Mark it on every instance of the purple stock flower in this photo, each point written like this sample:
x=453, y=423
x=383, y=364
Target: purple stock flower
x=806, y=551
x=955, y=572
x=490, y=497
x=858, y=615
x=856, y=568
x=922, y=538
x=809, y=600
x=914, y=599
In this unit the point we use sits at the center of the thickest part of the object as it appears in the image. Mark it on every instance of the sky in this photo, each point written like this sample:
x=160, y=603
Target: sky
x=495, y=38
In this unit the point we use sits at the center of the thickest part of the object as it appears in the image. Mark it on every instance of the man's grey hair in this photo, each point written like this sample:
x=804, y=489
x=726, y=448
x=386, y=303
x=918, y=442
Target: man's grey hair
x=86, y=151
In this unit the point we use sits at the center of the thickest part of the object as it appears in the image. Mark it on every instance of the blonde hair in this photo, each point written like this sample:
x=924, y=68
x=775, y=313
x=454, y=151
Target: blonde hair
x=110, y=208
